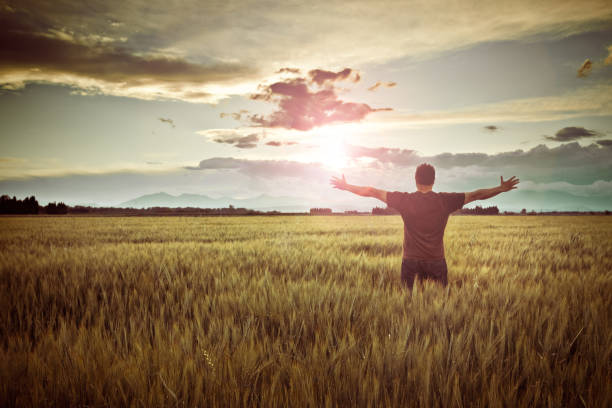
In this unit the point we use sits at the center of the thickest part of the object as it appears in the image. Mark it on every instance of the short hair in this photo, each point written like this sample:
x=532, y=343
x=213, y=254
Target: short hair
x=425, y=174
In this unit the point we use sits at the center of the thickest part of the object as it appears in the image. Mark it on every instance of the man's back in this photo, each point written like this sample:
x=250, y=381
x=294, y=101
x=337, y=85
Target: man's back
x=425, y=216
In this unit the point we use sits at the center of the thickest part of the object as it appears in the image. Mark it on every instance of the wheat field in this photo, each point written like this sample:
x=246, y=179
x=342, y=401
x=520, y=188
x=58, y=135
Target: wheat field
x=299, y=311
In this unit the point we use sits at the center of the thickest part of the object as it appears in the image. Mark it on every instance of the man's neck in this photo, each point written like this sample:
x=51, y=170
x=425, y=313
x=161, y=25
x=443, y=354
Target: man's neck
x=424, y=189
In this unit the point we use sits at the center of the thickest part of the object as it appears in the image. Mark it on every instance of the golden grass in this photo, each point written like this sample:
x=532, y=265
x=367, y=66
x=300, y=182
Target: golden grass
x=302, y=311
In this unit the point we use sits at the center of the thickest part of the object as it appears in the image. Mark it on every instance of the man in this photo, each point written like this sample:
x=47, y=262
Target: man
x=425, y=214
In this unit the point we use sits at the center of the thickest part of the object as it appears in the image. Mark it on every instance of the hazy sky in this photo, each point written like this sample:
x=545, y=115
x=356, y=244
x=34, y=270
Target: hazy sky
x=104, y=102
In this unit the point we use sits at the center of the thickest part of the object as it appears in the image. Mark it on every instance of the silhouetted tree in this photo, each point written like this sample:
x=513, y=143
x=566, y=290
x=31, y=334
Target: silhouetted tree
x=384, y=211
x=9, y=205
x=56, y=208
x=478, y=210
x=320, y=211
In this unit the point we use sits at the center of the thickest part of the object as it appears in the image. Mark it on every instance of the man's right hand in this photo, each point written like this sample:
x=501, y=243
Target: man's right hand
x=509, y=184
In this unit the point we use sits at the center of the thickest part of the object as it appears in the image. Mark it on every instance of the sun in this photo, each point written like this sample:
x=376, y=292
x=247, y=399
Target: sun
x=332, y=148
x=333, y=154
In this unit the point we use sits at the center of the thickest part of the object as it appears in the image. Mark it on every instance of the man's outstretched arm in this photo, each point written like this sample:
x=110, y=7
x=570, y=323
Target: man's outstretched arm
x=341, y=184
x=485, y=193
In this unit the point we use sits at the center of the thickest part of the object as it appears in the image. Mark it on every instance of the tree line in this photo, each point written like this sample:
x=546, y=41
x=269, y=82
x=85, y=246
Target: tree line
x=29, y=205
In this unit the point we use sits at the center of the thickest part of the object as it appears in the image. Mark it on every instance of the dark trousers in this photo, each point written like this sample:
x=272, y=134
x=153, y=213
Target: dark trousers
x=431, y=269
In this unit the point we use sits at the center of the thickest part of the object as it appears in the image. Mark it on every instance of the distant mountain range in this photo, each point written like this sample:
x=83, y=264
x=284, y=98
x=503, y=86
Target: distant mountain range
x=547, y=201
x=262, y=202
x=514, y=201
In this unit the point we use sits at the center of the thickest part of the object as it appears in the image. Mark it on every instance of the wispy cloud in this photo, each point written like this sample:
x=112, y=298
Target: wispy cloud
x=235, y=115
x=585, y=69
x=541, y=156
x=165, y=52
x=595, y=100
x=608, y=59
x=33, y=51
x=320, y=76
x=597, y=188
x=242, y=138
x=168, y=121
x=277, y=143
x=288, y=71
x=264, y=168
x=378, y=84
x=573, y=133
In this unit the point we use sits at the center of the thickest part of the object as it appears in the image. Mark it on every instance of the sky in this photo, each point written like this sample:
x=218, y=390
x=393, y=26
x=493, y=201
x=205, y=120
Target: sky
x=105, y=101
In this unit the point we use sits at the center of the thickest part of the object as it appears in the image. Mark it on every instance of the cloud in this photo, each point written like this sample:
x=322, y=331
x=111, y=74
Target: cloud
x=399, y=157
x=568, y=155
x=597, y=188
x=573, y=133
x=329, y=30
x=288, y=71
x=264, y=168
x=320, y=76
x=243, y=142
x=237, y=137
x=34, y=51
x=379, y=84
x=168, y=121
x=11, y=161
x=585, y=68
x=567, y=169
x=276, y=143
x=217, y=163
x=491, y=128
x=605, y=142
x=236, y=115
x=608, y=59
x=213, y=49
x=302, y=106
x=595, y=100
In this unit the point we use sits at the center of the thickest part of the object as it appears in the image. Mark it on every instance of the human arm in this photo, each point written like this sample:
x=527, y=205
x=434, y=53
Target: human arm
x=341, y=184
x=485, y=193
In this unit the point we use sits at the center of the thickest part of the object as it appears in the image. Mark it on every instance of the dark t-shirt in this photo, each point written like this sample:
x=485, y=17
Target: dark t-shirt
x=425, y=216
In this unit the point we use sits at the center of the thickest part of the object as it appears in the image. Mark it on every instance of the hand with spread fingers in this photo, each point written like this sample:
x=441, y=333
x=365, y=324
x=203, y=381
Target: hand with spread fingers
x=339, y=183
x=509, y=184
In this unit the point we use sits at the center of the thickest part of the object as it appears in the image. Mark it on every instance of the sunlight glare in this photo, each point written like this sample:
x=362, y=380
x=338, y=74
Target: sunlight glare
x=333, y=153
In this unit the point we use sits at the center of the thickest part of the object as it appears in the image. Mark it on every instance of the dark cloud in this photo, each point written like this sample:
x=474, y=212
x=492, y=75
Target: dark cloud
x=264, y=168
x=320, y=76
x=36, y=50
x=217, y=163
x=491, y=128
x=572, y=133
x=303, y=108
x=585, y=68
x=168, y=121
x=236, y=115
x=385, y=155
x=240, y=141
x=288, y=71
x=276, y=143
x=379, y=84
x=605, y=142
x=570, y=155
